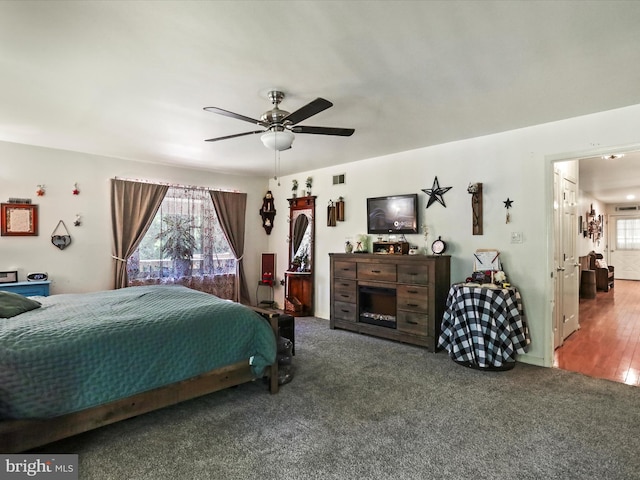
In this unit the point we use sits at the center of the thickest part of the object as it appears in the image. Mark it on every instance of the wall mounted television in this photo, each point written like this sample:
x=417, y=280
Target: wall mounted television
x=393, y=214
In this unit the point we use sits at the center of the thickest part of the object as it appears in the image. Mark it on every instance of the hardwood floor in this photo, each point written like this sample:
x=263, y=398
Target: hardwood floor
x=607, y=345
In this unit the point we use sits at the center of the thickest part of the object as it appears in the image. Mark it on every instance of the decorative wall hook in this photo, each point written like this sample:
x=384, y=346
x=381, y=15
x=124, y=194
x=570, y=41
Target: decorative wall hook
x=40, y=191
x=475, y=189
x=75, y=189
x=77, y=221
x=507, y=204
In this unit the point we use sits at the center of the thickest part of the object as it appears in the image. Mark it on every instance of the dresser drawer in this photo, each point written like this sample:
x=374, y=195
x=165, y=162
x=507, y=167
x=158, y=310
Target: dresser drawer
x=412, y=297
x=417, y=274
x=344, y=269
x=344, y=311
x=344, y=290
x=377, y=271
x=414, y=323
x=27, y=289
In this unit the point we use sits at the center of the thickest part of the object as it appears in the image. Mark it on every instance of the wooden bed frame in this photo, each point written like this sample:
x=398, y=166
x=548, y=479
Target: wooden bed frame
x=20, y=435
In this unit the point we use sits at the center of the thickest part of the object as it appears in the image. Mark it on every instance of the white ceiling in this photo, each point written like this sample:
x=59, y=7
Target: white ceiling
x=129, y=79
x=611, y=180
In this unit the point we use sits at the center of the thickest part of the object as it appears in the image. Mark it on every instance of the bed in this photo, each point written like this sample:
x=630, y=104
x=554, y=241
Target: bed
x=81, y=361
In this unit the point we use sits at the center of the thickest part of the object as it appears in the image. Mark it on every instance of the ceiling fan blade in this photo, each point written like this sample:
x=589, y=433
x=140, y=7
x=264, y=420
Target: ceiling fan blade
x=343, y=132
x=227, y=113
x=310, y=109
x=233, y=136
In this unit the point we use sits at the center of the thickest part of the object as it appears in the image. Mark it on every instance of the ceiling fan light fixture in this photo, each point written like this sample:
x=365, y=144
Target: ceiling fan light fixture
x=278, y=140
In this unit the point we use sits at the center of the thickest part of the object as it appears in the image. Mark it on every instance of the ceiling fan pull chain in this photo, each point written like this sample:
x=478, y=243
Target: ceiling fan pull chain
x=278, y=154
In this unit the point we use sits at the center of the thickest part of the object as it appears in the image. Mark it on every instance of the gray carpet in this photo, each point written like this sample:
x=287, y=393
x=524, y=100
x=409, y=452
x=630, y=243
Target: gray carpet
x=365, y=408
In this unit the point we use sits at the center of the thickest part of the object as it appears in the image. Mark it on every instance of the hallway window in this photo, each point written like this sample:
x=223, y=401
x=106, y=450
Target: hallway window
x=628, y=233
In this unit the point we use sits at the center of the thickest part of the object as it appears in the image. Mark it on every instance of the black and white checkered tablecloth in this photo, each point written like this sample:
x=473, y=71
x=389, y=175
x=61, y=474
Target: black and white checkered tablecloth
x=483, y=326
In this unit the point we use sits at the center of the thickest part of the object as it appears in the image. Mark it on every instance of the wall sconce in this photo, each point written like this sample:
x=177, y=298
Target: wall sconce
x=267, y=212
x=340, y=209
x=331, y=214
x=475, y=189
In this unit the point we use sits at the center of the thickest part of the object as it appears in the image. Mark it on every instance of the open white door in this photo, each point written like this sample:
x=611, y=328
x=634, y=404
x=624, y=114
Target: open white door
x=557, y=249
x=571, y=266
x=566, y=318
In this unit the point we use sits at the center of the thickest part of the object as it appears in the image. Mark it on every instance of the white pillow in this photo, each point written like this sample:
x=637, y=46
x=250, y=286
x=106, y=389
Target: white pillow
x=601, y=263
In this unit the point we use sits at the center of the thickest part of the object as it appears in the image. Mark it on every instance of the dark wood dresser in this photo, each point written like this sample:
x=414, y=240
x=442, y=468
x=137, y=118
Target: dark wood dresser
x=398, y=297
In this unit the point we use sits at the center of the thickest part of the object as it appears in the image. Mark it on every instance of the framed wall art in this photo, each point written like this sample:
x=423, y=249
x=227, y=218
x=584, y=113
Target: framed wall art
x=18, y=219
x=9, y=277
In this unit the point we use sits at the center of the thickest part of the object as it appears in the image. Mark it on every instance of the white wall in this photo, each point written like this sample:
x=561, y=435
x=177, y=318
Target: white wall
x=515, y=165
x=86, y=265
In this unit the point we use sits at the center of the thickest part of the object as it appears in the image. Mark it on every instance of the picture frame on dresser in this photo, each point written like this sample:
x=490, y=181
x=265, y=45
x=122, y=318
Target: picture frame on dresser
x=9, y=277
x=18, y=219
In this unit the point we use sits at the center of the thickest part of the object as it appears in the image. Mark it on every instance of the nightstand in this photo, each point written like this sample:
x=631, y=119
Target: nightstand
x=28, y=289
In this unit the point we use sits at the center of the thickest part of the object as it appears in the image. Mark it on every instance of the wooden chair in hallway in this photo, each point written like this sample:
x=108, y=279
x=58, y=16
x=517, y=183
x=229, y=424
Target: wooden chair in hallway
x=587, y=278
x=604, y=273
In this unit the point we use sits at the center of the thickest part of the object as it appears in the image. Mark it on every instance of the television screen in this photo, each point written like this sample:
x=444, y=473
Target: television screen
x=393, y=214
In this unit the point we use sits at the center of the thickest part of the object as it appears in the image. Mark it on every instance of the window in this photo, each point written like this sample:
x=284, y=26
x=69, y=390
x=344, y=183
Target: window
x=628, y=233
x=185, y=242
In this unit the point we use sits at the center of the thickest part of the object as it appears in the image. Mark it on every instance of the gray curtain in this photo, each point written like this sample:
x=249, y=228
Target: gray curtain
x=231, y=210
x=133, y=207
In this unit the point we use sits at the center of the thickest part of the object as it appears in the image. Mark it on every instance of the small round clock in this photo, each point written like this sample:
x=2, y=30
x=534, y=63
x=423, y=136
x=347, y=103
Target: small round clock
x=439, y=246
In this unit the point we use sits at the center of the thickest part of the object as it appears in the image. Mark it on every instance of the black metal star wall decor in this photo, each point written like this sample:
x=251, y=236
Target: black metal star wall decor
x=436, y=192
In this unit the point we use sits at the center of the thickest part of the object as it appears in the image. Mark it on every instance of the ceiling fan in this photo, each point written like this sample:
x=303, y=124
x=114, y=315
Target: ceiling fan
x=281, y=125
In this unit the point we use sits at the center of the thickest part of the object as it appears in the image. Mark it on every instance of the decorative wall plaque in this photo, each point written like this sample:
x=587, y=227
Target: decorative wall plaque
x=18, y=219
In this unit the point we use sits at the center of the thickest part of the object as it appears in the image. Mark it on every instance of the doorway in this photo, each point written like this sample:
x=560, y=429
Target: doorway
x=590, y=349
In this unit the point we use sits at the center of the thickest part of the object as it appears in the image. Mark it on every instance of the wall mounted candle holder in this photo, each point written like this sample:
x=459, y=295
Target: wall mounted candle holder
x=340, y=209
x=331, y=214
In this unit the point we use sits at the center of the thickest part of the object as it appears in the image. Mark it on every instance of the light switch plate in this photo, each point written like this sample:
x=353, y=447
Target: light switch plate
x=516, y=237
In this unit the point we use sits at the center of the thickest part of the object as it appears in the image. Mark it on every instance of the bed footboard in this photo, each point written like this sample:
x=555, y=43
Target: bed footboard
x=21, y=435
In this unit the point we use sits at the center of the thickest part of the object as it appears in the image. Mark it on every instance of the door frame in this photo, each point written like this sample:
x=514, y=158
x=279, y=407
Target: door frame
x=551, y=227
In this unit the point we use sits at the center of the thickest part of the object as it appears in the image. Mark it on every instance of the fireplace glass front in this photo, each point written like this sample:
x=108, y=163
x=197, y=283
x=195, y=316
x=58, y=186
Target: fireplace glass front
x=377, y=306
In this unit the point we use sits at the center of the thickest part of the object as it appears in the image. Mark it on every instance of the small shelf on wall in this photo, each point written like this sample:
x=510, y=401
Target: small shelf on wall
x=268, y=212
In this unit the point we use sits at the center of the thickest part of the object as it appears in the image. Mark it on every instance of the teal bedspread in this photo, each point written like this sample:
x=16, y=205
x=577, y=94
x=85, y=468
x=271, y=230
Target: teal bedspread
x=83, y=350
